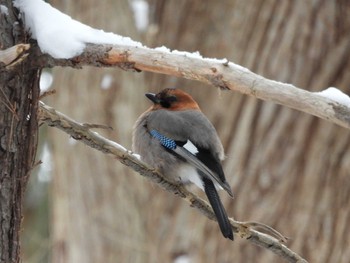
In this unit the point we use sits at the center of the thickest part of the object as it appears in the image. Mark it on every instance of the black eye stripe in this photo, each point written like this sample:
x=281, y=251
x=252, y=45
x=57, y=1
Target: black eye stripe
x=166, y=101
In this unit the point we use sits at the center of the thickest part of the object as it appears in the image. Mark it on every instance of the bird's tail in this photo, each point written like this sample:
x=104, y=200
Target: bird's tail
x=218, y=208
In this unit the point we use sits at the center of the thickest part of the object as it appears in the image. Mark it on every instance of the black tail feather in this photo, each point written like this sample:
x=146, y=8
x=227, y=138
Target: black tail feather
x=218, y=208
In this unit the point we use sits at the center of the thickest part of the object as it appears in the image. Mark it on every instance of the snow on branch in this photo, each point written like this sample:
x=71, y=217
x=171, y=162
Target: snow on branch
x=271, y=240
x=64, y=41
x=218, y=73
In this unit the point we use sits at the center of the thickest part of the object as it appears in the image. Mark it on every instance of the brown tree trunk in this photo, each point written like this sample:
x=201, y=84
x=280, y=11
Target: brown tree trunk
x=19, y=92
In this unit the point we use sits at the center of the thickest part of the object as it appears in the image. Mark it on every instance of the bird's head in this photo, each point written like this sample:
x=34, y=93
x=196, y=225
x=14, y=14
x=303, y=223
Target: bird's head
x=172, y=99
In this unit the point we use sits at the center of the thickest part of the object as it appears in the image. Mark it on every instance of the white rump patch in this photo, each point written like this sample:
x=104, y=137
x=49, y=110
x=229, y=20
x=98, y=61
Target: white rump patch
x=188, y=173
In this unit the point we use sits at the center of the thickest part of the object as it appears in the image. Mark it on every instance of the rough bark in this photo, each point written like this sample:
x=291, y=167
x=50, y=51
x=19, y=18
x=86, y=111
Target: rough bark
x=19, y=92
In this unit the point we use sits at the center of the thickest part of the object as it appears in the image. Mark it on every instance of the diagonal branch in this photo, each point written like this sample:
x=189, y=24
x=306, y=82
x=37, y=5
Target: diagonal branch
x=243, y=229
x=219, y=73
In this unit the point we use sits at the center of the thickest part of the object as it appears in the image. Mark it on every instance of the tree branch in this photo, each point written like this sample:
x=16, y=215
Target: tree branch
x=222, y=74
x=243, y=229
x=13, y=55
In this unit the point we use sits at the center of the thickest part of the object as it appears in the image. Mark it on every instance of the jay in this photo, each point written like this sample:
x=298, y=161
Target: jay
x=178, y=140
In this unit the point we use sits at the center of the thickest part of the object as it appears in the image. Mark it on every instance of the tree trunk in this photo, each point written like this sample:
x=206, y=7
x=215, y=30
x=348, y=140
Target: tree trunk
x=19, y=92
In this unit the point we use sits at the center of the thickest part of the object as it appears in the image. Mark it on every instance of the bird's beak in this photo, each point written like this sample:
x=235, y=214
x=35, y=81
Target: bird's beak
x=152, y=97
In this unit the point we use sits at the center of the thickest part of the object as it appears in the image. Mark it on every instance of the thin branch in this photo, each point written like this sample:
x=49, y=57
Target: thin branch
x=83, y=133
x=220, y=74
x=13, y=55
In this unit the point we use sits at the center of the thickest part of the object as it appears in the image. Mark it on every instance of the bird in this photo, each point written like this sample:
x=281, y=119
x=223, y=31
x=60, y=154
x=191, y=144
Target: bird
x=178, y=140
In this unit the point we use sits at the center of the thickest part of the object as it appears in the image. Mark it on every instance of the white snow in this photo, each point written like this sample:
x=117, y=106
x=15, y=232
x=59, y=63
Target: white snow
x=336, y=95
x=141, y=11
x=4, y=10
x=195, y=54
x=46, y=80
x=61, y=36
x=163, y=49
x=106, y=81
x=182, y=259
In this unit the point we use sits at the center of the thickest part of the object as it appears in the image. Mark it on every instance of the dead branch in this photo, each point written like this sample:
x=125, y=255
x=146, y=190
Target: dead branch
x=13, y=55
x=245, y=230
x=223, y=75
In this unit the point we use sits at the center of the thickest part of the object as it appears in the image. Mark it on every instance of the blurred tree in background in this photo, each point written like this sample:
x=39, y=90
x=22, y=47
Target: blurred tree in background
x=287, y=169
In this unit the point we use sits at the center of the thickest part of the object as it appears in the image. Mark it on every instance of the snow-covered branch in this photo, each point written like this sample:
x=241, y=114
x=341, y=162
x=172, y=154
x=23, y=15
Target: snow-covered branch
x=245, y=230
x=65, y=42
x=218, y=73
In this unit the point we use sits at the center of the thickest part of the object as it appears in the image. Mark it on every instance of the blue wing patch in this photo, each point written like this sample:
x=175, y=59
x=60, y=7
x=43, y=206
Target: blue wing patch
x=165, y=141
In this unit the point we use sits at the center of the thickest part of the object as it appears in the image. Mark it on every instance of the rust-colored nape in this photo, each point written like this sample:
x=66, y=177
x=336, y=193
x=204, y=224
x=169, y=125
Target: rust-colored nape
x=174, y=100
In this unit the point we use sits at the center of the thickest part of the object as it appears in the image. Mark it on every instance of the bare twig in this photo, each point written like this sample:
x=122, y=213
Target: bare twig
x=223, y=74
x=14, y=55
x=47, y=93
x=243, y=229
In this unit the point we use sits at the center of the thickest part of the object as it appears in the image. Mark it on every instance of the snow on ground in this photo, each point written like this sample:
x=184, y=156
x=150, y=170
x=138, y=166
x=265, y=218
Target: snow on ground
x=336, y=95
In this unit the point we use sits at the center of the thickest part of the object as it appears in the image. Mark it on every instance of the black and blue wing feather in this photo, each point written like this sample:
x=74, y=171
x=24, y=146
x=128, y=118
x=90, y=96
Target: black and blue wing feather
x=203, y=160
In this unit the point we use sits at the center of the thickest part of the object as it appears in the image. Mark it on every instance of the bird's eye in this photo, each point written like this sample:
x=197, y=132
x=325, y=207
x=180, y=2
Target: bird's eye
x=167, y=102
